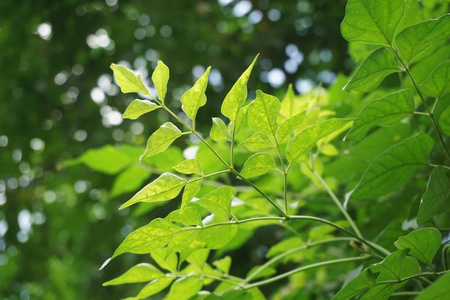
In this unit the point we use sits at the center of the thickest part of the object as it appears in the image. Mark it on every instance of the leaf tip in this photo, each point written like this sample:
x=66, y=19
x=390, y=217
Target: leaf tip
x=104, y=265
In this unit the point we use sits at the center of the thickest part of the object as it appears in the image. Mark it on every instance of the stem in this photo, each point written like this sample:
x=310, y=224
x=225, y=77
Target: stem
x=405, y=294
x=208, y=175
x=337, y=202
x=412, y=277
x=430, y=112
x=444, y=256
x=312, y=266
x=283, y=168
x=421, y=113
x=284, y=254
x=210, y=277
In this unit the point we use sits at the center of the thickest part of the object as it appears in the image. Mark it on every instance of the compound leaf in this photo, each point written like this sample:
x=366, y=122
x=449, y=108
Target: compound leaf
x=160, y=78
x=139, y=107
x=128, y=81
x=373, y=70
x=423, y=244
x=372, y=22
x=257, y=165
x=161, y=139
x=165, y=187
x=386, y=111
x=195, y=98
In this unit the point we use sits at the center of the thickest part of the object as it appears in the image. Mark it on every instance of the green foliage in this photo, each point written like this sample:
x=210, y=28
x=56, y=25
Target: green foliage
x=382, y=169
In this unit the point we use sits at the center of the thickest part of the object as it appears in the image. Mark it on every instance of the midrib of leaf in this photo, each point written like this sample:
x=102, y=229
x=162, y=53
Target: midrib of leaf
x=374, y=20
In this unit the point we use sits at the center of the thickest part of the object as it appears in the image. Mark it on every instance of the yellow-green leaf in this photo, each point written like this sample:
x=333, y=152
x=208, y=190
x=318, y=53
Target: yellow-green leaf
x=184, y=288
x=139, y=107
x=257, y=142
x=189, y=166
x=161, y=139
x=154, y=287
x=139, y=273
x=160, y=78
x=219, y=131
x=263, y=113
x=190, y=191
x=287, y=128
x=218, y=202
x=257, y=165
x=195, y=98
x=128, y=81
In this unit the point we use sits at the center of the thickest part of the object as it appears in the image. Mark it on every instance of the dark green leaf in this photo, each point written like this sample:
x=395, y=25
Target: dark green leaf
x=423, y=244
x=444, y=121
x=356, y=286
x=437, y=84
x=439, y=290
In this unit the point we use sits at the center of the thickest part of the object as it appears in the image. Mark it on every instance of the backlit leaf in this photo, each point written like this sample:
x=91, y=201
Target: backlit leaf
x=257, y=142
x=218, y=202
x=139, y=273
x=288, y=104
x=161, y=139
x=223, y=264
x=373, y=70
x=237, y=95
x=263, y=113
x=372, y=22
x=394, y=167
x=148, y=238
x=190, y=191
x=128, y=81
x=139, y=107
x=165, y=187
x=423, y=244
x=184, y=288
x=286, y=129
x=298, y=147
x=189, y=166
x=417, y=38
x=435, y=196
x=437, y=84
x=130, y=180
x=219, y=131
x=386, y=111
x=188, y=216
x=257, y=165
x=154, y=287
x=160, y=78
x=195, y=98
x=165, y=260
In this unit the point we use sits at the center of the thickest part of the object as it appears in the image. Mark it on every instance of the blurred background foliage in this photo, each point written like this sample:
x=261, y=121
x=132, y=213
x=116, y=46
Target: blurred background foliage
x=57, y=225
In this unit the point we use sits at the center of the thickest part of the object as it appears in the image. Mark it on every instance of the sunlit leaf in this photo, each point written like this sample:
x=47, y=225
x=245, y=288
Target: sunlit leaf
x=195, y=98
x=257, y=142
x=288, y=104
x=165, y=187
x=386, y=111
x=423, y=244
x=161, y=139
x=187, y=216
x=190, y=191
x=184, y=288
x=373, y=70
x=164, y=259
x=219, y=131
x=148, y=238
x=139, y=107
x=437, y=84
x=263, y=113
x=155, y=286
x=284, y=245
x=415, y=39
x=372, y=22
x=237, y=95
x=394, y=167
x=286, y=129
x=130, y=180
x=257, y=165
x=128, y=81
x=439, y=290
x=189, y=166
x=160, y=78
x=198, y=258
x=218, y=202
x=223, y=264
x=435, y=196
x=139, y=273
x=298, y=147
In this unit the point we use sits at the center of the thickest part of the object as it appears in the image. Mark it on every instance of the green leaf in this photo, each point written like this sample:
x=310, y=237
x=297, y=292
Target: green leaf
x=257, y=165
x=139, y=273
x=182, y=241
x=373, y=70
x=128, y=81
x=444, y=121
x=139, y=107
x=356, y=286
x=190, y=191
x=223, y=264
x=435, y=196
x=437, y=84
x=198, y=258
x=257, y=142
x=148, y=238
x=107, y=159
x=165, y=187
x=285, y=245
x=184, y=288
x=129, y=180
x=161, y=139
x=298, y=147
x=386, y=111
x=164, y=259
x=439, y=290
x=219, y=131
x=266, y=272
x=189, y=166
x=187, y=216
x=288, y=104
x=415, y=39
x=154, y=287
x=263, y=113
x=423, y=244
x=287, y=127
x=160, y=78
x=195, y=98
x=372, y=22
x=237, y=95
x=218, y=202
x=396, y=266
x=393, y=168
